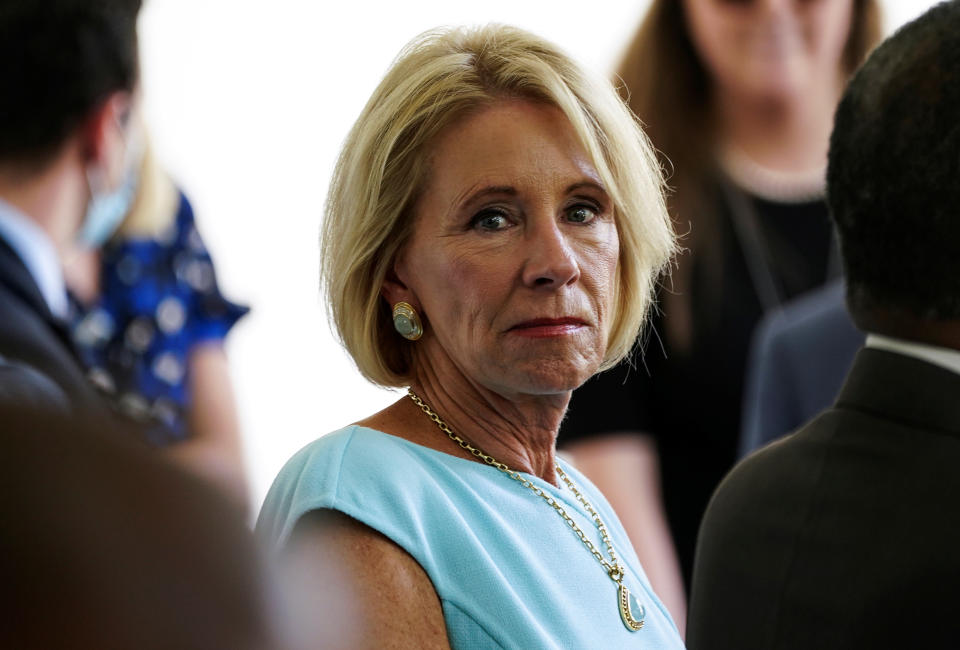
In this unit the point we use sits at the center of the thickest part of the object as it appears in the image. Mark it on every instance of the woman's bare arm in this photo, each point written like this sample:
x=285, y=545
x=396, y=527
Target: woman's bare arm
x=348, y=586
x=214, y=449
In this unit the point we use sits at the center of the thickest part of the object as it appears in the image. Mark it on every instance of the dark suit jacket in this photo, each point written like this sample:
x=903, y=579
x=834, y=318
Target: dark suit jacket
x=845, y=534
x=798, y=360
x=23, y=386
x=31, y=336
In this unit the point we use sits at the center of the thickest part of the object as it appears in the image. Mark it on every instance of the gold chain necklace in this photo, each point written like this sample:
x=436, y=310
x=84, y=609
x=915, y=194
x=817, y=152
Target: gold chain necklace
x=631, y=611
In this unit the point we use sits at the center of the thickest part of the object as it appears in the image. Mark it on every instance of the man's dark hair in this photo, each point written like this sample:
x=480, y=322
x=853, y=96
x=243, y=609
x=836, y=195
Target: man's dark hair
x=893, y=177
x=61, y=59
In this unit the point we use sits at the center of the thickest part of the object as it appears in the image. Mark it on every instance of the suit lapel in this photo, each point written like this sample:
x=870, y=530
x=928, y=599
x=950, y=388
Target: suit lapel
x=17, y=279
x=903, y=388
x=15, y=276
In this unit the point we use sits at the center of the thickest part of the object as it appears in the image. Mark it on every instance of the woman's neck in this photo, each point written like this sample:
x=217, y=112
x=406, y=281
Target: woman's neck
x=788, y=135
x=81, y=271
x=519, y=431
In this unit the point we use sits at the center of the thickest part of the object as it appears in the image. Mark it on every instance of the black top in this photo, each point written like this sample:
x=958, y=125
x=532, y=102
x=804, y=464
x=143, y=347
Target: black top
x=844, y=534
x=690, y=400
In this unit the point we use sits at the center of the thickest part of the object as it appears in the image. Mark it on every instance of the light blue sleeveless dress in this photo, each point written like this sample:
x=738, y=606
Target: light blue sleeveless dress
x=510, y=573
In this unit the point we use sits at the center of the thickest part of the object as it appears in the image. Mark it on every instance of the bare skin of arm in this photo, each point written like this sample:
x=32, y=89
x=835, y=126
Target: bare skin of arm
x=214, y=450
x=348, y=586
x=625, y=467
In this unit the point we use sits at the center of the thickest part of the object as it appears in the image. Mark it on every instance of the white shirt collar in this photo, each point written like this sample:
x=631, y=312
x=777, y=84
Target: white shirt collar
x=36, y=250
x=943, y=357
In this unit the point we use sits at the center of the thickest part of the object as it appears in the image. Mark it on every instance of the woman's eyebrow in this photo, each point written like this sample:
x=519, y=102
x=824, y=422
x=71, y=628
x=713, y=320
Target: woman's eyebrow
x=586, y=184
x=472, y=197
x=491, y=190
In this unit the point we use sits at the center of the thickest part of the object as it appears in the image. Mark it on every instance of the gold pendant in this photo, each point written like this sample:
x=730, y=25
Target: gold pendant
x=630, y=609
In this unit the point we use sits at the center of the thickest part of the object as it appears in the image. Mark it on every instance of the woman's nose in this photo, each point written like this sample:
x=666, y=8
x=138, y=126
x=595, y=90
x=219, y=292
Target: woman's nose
x=550, y=260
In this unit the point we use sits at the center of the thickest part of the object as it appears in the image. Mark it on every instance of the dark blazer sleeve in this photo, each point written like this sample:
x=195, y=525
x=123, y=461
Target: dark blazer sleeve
x=798, y=360
x=23, y=386
x=768, y=408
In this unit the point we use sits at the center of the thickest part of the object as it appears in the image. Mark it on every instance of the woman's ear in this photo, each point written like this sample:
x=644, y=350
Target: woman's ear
x=402, y=301
x=395, y=287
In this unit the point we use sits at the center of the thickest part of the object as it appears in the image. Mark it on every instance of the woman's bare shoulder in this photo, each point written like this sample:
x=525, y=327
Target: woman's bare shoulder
x=345, y=574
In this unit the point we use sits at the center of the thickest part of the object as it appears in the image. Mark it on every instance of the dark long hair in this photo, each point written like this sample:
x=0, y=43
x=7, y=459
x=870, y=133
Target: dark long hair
x=668, y=88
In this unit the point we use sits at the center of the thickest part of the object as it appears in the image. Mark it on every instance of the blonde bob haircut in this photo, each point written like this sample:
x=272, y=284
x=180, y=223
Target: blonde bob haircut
x=438, y=78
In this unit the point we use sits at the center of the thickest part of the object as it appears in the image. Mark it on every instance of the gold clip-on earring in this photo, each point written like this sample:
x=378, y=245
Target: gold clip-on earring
x=406, y=321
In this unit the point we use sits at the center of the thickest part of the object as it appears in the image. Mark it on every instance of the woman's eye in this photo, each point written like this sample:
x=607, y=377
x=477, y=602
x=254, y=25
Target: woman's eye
x=490, y=221
x=582, y=213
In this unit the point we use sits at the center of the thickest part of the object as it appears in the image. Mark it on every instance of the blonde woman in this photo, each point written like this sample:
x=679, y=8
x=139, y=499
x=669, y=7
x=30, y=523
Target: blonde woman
x=494, y=228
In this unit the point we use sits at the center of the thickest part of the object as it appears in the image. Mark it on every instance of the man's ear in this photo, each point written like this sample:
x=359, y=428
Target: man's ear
x=103, y=134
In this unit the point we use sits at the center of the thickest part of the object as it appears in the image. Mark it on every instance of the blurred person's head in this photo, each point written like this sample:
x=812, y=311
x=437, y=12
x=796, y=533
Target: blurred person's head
x=67, y=118
x=772, y=50
x=893, y=181
x=415, y=148
x=685, y=51
x=105, y=545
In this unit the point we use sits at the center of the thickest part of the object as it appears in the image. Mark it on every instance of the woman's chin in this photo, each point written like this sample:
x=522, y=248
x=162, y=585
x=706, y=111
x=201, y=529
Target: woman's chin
x=550, y=377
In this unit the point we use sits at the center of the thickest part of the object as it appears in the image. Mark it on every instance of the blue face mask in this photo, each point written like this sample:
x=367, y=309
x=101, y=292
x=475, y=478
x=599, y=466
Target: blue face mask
x=106, y=209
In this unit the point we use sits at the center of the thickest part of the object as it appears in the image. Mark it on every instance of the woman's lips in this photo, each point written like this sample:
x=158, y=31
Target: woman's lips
x=547, y=327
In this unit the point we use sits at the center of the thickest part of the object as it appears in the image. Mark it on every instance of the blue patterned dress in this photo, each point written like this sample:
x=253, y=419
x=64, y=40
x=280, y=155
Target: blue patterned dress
x=159, y=299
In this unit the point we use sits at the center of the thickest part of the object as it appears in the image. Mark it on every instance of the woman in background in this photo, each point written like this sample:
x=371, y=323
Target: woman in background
x=150, y=321
x=738, y=97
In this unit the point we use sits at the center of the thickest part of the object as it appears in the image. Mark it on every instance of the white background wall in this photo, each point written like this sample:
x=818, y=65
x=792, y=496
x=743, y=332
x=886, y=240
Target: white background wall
x=248, y=102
